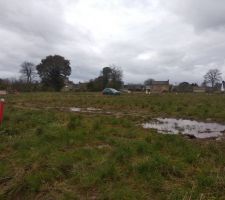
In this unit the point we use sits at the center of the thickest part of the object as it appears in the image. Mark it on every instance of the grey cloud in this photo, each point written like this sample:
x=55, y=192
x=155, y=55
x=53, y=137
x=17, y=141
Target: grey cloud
x=202, y=14
x=167, y=38
x=31, y=30
x=40, y=18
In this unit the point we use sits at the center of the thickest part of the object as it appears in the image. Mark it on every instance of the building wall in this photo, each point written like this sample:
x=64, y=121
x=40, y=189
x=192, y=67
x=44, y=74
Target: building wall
x=134, y=87
x=199, y=90
x=159, y=88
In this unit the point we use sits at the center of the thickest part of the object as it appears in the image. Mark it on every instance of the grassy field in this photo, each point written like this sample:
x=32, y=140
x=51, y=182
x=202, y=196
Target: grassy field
x=48, y=152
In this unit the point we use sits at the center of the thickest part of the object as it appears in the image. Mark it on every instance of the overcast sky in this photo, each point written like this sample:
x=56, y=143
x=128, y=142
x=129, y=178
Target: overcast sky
x=179, y=40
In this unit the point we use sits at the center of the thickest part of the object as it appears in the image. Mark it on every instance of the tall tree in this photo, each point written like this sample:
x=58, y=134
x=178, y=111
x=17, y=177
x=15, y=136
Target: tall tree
x=116, y=77
x=106, y=75
x=28, y=71
x=212, y=77
x=53, y=71
x=148, y=81
x=184, y=87
x=109, y=77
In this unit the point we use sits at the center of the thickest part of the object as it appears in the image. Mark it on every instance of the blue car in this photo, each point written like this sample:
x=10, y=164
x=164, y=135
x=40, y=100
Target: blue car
x=110, y=91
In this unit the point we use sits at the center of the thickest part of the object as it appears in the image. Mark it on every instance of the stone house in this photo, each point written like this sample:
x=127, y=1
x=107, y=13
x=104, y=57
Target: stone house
x=134, y=87
x=199, y=89
x=159, y=87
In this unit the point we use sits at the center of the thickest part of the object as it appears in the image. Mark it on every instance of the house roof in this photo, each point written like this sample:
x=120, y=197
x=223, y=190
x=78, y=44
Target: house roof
x=134, y=85
x=160, y=82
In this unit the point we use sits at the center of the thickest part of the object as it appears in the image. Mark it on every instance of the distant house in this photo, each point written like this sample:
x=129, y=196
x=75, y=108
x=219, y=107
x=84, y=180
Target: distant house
x=75, y=87
x=199, y=89
x=68, y=86
x=81, y=87
x=134, y=87
x=159, y=86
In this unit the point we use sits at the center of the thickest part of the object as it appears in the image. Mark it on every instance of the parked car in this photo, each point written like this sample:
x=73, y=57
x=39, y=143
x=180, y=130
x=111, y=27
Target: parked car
x=110, y=91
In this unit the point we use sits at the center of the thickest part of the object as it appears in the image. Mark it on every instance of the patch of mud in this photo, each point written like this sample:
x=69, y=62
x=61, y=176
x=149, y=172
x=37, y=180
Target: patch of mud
x=190, y=128
x=75, y=109
x=89, y=110
x=104, y=146
x=93, y=109
x=100, y=146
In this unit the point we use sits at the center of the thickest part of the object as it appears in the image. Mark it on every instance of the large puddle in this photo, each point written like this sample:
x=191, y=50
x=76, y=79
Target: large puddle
x=89, y=110
x=190, y=128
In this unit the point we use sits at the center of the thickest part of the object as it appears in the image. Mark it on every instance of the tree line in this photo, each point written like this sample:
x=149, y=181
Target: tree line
x=109, y=77
x=53, y=72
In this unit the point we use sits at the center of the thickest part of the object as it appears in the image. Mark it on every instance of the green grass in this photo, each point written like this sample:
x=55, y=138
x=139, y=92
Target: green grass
x=47, y=152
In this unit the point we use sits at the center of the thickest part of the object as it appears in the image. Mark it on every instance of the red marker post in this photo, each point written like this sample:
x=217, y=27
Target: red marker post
x=1, y=110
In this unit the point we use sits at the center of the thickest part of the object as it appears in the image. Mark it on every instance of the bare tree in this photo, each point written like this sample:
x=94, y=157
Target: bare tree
x=212, y=77
x=28, y=71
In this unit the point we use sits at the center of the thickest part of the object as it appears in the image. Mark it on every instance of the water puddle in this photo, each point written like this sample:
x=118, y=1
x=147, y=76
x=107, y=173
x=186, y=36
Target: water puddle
x=93, y=109
x=193, y=129
x=75, y=109
x=89, y=110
